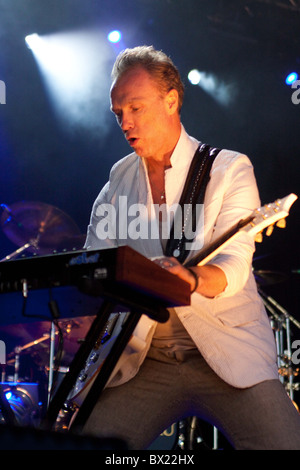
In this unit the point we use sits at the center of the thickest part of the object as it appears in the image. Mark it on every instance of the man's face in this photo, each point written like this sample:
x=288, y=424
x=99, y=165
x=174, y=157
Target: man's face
x=148, y=119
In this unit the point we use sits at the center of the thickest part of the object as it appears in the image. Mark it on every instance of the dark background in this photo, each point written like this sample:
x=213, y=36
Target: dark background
x=251, y=45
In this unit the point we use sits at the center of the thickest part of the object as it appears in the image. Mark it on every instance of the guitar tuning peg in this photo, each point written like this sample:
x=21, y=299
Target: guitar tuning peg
x=281, y=223
x=258, y=237
x=269, y=230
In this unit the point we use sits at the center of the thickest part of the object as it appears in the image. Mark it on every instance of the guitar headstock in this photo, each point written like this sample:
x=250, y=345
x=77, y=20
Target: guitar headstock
x=269, y=215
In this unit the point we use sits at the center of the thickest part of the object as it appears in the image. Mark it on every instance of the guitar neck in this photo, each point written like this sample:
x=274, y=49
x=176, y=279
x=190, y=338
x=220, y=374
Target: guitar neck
x=215, y=247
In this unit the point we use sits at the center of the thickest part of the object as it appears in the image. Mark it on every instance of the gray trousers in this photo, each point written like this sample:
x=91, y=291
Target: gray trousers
x=172, y=387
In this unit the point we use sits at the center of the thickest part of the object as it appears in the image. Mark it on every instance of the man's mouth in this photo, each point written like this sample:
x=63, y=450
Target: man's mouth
x=132, y=141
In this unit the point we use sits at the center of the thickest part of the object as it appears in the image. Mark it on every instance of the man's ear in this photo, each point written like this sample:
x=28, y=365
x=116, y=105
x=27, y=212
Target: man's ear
x=172, y=101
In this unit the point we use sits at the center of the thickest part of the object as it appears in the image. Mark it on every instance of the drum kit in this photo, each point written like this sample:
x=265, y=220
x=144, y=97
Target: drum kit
x=41, y=229
x=282, y=323
x=38, y=229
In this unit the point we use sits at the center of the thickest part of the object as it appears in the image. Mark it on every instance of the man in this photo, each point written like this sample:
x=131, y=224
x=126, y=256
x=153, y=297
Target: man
x=216, y=358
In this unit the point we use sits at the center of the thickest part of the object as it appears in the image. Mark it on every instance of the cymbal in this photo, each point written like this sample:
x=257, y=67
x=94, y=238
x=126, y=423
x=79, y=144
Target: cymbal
x=267, y=278
x=41, y=225
x=36, y=335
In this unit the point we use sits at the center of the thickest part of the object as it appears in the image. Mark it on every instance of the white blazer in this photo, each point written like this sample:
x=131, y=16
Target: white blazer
x=232, y=331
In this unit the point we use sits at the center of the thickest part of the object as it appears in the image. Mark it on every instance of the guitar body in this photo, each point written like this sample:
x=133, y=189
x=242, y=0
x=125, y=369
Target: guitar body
x=97, y=357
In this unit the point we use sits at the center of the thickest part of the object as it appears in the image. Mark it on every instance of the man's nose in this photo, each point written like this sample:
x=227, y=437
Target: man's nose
x=126, y=122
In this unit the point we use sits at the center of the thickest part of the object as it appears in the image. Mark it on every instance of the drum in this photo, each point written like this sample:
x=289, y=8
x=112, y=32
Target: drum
x=167, y=440
x=191, y=434
x=23, y=399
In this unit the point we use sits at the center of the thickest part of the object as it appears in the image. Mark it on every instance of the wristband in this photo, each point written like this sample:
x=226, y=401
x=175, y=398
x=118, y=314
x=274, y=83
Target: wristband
x=196, y=279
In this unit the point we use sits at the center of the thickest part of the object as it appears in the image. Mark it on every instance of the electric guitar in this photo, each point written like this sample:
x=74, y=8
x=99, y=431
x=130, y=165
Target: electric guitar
x=262, y=218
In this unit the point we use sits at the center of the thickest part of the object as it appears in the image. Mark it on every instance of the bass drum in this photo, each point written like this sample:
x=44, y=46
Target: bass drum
x=191, y=434
x=168, y=440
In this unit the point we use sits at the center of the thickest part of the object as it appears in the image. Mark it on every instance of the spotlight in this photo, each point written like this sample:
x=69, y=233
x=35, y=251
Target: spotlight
x=114, y=36
x=222, y=92
x=291, y=78
x=73, y=66
x=32, y=40
x=194, y=77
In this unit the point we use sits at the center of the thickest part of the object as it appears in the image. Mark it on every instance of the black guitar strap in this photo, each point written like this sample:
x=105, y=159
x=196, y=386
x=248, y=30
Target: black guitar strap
x=193, y=193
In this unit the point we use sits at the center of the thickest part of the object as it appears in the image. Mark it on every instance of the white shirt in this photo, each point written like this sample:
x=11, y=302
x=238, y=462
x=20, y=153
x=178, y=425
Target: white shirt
x=231, y=331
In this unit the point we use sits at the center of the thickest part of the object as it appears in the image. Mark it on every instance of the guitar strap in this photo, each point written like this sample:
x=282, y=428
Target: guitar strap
x=193, y=193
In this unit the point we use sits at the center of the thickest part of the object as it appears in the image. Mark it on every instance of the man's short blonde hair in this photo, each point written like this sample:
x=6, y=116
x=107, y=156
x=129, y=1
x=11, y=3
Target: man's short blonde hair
x=156, y=63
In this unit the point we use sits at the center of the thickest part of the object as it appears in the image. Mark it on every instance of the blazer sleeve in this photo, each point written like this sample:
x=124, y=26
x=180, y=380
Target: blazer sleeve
x=232, y=195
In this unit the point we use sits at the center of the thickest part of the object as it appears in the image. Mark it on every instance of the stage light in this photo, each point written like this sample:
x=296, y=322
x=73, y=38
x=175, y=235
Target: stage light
x=114, y=36
x=32, y=40
x=75, y=68
x=222, y=92
x=194, y=77
x=291, y=78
